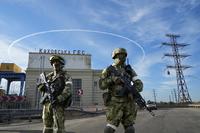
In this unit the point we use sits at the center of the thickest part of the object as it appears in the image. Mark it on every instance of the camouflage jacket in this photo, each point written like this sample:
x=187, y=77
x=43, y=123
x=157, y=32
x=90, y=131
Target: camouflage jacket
x=61, y=85
x=107, y=81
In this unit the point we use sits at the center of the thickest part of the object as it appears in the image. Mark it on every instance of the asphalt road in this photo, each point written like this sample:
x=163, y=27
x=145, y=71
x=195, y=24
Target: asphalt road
x=165, y=121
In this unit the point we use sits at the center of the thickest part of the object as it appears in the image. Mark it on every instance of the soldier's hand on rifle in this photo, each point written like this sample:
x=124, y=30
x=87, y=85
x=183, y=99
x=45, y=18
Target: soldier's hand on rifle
x=117, y=80
x=41, y=87
x=138, y=85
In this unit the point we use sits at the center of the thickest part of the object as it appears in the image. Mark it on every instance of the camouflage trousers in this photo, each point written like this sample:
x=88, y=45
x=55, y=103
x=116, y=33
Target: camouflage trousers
x=53, y=120
x=121, y=112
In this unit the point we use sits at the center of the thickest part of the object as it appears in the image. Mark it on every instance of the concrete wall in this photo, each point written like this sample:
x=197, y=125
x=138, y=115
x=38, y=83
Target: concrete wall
x=92, y=95
x=77, y=65
x=72, y=61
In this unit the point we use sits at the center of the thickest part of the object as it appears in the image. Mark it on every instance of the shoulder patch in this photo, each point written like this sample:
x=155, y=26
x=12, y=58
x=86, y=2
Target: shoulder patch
x=68, y=76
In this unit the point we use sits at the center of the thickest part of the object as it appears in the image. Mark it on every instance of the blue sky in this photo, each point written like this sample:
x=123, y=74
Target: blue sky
x=144, y=21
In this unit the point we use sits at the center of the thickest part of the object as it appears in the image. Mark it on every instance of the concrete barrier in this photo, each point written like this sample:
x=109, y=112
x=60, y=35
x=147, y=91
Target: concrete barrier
x=194, y=105
x=178, y=105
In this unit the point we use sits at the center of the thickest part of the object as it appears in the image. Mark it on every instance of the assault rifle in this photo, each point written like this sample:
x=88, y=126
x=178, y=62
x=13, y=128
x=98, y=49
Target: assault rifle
x=130, y=88
x=48, y=91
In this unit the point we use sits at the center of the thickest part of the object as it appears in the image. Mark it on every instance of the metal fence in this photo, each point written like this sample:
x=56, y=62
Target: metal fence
x=15, y=105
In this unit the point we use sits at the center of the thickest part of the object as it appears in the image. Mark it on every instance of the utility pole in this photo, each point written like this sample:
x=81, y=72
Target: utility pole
x=175, y=95
x=154, y=94
x=172, y=93
x=182, y=89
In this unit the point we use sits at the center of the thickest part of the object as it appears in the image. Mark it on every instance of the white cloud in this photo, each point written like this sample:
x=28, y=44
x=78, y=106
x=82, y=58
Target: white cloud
x=123, y=3
x=18, y=55
x=138, y=15
x=104, y=17
x=99, y=48
x=151, y=30
x=146, y=22
x=151, y=25
x=186, y=5
x=143, y=68
x=190, y=26
x=168, y=83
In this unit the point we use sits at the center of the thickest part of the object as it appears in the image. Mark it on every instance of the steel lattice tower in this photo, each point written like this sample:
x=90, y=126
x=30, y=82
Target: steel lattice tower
x=183, y=94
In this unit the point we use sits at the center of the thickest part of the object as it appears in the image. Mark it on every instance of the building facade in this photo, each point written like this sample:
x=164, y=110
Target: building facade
x=85, y=80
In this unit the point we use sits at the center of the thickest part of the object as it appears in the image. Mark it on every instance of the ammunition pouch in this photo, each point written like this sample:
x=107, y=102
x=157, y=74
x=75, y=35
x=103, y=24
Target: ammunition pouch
x=67, y=102
x=106, y=98
x=120, y=92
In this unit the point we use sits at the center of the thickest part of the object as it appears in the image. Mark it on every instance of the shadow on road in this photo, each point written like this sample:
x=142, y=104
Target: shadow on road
x=26, y=131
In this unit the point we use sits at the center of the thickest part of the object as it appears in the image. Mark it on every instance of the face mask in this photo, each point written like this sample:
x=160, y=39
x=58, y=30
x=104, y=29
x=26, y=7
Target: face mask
x=120, y=59
x=56, y=66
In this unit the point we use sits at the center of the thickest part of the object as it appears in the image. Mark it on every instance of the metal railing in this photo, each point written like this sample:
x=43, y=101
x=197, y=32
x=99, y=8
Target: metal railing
x=7, y=115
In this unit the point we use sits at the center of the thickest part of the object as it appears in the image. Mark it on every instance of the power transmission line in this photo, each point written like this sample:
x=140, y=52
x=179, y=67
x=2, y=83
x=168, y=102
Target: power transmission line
x=182, y=89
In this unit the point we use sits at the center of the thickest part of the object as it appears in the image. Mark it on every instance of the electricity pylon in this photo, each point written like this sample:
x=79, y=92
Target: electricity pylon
x=182, y=89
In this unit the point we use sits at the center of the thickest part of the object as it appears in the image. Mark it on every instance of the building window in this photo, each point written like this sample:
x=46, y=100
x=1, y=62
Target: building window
x=95, y=84
x=77, y=84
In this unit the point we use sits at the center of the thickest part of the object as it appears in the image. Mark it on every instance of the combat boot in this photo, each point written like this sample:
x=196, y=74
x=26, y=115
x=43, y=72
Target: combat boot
x=130, y=129
x=109, y=130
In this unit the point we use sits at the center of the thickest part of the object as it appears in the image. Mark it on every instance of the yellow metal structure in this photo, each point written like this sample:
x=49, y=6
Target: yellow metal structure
x=2, y=92
x=10, y=67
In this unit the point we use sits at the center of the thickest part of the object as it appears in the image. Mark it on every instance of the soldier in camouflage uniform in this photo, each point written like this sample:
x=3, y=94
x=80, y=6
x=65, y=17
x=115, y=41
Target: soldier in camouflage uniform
x=120, y=108
x=53, y=115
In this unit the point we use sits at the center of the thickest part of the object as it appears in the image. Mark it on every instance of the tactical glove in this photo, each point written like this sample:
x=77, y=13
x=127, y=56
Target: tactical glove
x=138, y=85
x=41, y=87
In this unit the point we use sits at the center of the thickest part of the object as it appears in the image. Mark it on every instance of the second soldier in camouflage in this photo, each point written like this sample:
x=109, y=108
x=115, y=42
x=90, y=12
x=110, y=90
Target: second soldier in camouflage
x=121, y=107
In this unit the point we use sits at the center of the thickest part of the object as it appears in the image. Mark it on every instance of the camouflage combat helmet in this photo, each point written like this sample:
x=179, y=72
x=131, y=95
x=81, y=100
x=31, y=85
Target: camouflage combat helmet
x=118, y=51
x=56, y=57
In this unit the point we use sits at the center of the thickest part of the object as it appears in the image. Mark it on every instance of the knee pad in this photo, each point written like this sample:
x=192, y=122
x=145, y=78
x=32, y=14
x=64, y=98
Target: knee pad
x=109, y=130
x=130, y=129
